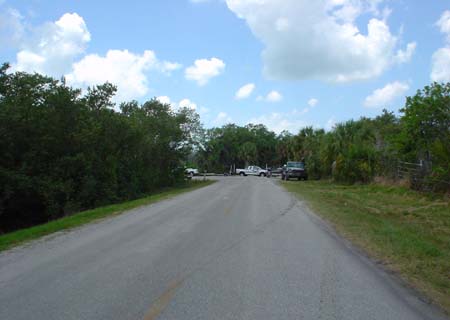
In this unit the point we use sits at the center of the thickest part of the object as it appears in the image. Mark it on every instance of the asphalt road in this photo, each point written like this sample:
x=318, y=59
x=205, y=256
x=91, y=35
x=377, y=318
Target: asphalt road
x=242, y=248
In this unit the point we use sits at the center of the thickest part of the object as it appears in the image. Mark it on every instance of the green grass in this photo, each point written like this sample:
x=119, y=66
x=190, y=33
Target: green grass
x=407, y=230
x=15, y=238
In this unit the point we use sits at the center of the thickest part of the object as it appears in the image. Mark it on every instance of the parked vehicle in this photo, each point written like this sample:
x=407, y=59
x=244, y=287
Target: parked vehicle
x=190, y=172
x=277, y=170
x=252, y=171
x=294, y=169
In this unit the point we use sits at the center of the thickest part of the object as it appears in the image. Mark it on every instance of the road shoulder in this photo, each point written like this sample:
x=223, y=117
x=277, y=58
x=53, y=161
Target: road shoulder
x=338, y=210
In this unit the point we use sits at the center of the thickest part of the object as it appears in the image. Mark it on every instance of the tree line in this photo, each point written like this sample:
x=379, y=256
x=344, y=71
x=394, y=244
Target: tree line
x=353, y=151
x=63, y=151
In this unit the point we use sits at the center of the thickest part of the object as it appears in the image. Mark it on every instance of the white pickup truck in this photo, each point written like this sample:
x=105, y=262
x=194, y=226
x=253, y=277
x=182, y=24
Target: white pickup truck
x=252, y=171
x=190, y=172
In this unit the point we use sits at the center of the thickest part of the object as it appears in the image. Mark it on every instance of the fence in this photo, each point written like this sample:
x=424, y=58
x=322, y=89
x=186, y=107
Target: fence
x=419, y=176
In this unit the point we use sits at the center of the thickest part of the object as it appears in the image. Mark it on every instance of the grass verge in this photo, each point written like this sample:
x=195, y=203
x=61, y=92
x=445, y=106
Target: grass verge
x=15, y=238
x=408, y=231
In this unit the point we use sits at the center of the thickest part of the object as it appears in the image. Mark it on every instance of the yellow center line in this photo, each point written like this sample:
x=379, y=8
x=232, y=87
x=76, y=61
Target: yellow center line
x=163, y=301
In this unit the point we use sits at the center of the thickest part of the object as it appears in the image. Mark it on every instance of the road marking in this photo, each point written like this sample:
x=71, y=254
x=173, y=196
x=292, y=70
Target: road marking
x=163, y=301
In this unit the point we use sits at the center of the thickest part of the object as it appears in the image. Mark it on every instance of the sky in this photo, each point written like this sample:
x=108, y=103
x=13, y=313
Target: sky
x=284, y=63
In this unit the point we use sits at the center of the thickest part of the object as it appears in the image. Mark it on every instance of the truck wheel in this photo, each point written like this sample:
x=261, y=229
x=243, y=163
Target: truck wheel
x=262, y=174
x=242, y=174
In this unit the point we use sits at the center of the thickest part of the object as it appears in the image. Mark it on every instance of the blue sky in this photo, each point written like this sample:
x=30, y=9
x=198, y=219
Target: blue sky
x=302, y=62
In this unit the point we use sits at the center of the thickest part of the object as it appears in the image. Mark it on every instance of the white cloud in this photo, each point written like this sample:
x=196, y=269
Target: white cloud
x=167, y=67
x=164, y=99
x=385, y=96
x=203, y=110
x=203, y=70
x=52, y=47
x=186, y=103
x=444, y=24
x=245, y=91
x=282, y=24
x=301, y=112
x=11, y=28
x=320, y=39
x=125, y=69
x=57, y=49
x=183, y=103
x=440, y=71
x=279, y=122
x=274, y=96
x=404, y=56
x=222, y=119
x=313, y=102
x=440, y=61
x=331, y=123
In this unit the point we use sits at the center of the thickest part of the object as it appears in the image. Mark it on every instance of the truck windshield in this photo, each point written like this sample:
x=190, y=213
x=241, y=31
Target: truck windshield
x=299, y=165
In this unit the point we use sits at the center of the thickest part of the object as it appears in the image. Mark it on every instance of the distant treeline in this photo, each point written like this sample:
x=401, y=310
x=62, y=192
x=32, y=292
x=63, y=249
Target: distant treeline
x=354, y=151
x=62, y=152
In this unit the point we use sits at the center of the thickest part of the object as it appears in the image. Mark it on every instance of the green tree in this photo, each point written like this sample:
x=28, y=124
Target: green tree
x=426, y=130
x=63, y=152
x=248, y=152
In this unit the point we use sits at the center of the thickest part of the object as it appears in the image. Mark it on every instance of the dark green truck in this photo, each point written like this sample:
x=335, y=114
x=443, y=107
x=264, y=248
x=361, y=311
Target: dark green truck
x=294, y=170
